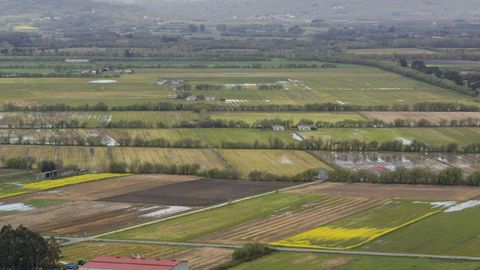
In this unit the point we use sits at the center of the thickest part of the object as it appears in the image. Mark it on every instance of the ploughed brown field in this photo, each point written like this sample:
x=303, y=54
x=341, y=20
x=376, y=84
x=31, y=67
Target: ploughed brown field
x=391, y=191
x=82, y=214
x=198, y=193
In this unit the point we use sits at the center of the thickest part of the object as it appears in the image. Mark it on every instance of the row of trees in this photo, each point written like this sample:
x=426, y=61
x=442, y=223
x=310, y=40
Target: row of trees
x=449, y=176
x=198, y=107
x=185, y=169
x=258, y=124
x=272, y=143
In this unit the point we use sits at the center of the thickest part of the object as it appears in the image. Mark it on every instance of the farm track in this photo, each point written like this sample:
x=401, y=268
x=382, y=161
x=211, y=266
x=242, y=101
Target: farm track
x=285, y=249
x=278, y=226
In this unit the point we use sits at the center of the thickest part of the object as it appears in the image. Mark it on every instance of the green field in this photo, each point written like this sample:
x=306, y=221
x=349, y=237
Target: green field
x=210, y=137
x=344, y=84
x=294, y=117
x=286, y=162
x=431, y=136
x=362, y=227
x=455, y=233
x=391, y=51
x=169, y=119
x=200, y=224
x=310, y=261
x=279, y=162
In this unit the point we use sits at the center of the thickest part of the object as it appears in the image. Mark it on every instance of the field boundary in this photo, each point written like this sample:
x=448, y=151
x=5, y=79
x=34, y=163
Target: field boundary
x=204, y=209
x=363, y=242
x=284, y=249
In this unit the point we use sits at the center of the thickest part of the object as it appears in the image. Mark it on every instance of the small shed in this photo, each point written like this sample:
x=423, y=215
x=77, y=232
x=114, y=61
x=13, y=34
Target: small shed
x=278, y=128
x=210, y=98
x=191, y=98
x=304, y=127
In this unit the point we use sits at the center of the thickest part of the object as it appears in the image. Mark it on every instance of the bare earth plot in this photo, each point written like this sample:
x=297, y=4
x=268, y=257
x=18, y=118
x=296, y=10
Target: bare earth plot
x=386, y=191
x=197, y=193
x=80, y=215
x=433, y=117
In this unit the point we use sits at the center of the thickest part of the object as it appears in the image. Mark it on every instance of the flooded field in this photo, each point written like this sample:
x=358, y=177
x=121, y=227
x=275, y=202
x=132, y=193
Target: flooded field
x=390, y=161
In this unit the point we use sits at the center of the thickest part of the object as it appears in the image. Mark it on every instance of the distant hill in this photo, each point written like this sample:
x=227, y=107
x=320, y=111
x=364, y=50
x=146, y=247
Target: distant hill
x=98, y=13
x=66, y=13
x=328, y=9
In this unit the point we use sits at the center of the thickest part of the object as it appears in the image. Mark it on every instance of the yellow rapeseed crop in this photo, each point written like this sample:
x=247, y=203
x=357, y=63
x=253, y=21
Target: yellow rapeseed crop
x=70, y=181
x=337, y=238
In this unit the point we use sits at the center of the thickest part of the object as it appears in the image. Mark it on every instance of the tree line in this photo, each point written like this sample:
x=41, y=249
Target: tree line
x=258, y=124
x=22, y=249
x=198, y=107
x=272, y=143
x=401, y=175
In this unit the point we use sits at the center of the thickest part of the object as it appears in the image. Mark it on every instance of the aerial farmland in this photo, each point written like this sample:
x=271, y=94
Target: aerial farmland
x=257, y=142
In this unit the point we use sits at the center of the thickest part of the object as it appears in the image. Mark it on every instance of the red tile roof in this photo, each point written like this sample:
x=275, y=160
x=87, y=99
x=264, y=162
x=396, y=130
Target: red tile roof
x=379, y=168
x=126, y=263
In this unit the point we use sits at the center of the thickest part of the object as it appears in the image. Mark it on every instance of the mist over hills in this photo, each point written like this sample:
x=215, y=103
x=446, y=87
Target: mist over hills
x=327, y=9
x=133, y=11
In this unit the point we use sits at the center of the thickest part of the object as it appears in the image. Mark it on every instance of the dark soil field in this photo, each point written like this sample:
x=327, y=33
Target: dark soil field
x=197, y=193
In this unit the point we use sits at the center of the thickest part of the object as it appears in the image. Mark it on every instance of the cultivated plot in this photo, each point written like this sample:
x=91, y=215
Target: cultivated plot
x=198, y=193
x=361, y=228
x=454, y=231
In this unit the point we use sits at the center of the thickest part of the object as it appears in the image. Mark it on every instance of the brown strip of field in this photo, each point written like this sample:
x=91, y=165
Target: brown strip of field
x=386, y=191
x=433, y=117
x=85, y=216
x=205, y=258
x=104, y=188
x=287, y=223
x=198, y=193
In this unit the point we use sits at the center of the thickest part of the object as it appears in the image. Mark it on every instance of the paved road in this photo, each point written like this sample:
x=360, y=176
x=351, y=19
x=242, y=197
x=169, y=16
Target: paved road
x=284, y=249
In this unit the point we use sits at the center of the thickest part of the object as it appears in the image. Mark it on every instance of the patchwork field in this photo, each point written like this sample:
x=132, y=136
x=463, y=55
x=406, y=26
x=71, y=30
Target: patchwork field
x=198, y=193
x=294, y=117
x=431, y=136
x=50, y=212
x=279, y=162
x=289, y=222
x=198, y=258
x=285, y=162
x=360, y=228
x=19, y=188
x=368, y=160
x=344, y=84
x=292, y=261
x=211, y=137
x=92, y=119
x=391, y=51
x=196, y=225
x=454, y=231
x=389, y=192
x=433, y=117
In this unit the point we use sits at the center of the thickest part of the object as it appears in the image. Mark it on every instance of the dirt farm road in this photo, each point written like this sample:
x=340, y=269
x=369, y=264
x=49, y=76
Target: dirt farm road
x=70, y=241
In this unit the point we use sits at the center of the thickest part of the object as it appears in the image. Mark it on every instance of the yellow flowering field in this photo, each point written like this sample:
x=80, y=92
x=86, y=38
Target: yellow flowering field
x=49, y=184
x=361, y=228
